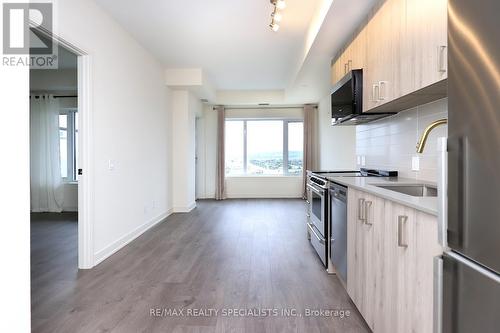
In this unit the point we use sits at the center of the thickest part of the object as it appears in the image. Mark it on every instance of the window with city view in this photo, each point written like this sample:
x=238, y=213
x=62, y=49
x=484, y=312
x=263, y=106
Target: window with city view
x=264, y=147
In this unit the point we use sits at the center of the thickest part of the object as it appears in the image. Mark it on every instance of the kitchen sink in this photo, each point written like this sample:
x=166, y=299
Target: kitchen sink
x=415, y=190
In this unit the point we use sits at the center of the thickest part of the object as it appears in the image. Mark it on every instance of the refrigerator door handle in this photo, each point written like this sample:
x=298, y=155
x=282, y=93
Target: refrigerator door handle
x=443, y=191
x=438, y=295
x=457, y=214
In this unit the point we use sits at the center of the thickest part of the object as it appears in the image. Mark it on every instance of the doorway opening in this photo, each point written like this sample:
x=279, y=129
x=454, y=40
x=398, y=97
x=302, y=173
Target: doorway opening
x=61, y=157
x=54, y=159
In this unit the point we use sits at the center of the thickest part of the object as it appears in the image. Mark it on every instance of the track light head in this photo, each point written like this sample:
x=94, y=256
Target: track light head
x=276, y=16
x=280, y=4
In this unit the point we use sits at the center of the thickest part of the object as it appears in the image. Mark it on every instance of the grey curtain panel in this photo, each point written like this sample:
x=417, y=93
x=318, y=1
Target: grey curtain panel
x=309, y=130
x=221, y=172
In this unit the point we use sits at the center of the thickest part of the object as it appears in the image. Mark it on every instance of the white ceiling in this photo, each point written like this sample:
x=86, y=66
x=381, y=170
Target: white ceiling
x=229, y=39
x=313, y=80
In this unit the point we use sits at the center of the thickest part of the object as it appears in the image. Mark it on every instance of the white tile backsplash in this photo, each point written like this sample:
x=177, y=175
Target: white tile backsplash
x=390, y=143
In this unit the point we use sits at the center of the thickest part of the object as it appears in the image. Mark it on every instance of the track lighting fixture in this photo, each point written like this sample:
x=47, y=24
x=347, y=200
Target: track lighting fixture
x=276, y=16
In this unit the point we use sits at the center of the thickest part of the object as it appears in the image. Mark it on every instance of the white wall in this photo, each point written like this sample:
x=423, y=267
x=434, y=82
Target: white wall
x=14, y=200
x=130, y=126
x=264, y=187
x=185, y=106
x=206, y=147
x=54, y=80
x=337, y=144
x=70, y=192
x=390, y=142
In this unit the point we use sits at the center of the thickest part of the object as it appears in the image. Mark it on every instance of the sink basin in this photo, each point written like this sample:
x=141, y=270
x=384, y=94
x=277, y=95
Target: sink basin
x=415, y=190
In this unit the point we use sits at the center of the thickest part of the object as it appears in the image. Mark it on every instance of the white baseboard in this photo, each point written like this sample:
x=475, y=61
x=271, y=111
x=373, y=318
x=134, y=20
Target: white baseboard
x=185, y=209
x=114, y=247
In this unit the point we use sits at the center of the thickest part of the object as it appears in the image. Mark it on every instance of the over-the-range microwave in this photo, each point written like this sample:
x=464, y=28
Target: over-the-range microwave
x=347, y=101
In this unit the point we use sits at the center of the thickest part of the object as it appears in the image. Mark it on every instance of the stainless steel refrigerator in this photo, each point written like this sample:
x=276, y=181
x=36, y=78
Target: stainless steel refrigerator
x=471, y=267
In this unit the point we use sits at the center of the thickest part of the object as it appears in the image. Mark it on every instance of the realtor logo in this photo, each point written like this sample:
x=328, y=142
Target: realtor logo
x=27, y=34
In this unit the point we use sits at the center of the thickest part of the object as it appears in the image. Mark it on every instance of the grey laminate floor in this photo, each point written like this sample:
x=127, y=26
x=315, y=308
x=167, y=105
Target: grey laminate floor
x=236, y=254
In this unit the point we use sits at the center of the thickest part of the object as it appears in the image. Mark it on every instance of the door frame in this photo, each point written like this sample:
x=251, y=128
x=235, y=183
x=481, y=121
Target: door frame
x=85, y=150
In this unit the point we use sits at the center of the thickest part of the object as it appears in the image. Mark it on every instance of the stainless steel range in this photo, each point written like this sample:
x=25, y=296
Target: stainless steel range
x=319, y=214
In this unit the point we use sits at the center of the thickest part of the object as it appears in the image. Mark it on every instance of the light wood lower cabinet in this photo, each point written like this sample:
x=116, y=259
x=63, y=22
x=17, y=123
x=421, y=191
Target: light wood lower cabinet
x=391, y=250
x=366, y=215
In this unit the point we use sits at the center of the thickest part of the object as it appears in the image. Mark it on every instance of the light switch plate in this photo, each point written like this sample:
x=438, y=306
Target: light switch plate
x=415, y=163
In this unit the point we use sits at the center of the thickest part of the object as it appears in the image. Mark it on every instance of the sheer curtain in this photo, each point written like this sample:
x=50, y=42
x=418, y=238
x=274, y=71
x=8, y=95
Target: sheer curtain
x=45, y=172
x=310, y=112
x=221, y=167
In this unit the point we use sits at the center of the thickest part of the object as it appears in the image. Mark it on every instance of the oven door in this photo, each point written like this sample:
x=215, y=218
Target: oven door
x=317, y=207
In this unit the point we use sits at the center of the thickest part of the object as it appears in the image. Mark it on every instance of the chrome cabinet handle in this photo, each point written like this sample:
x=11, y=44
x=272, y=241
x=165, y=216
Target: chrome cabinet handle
x=381, y=96
x=402, y=242
x=375, y=92
x=441, y=59
x=361, y=203
x=320, y=239
x=368, y=205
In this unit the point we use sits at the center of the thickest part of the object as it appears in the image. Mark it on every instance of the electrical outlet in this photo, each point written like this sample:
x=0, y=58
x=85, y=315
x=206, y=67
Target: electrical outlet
x=415, y=163
x=363, y=160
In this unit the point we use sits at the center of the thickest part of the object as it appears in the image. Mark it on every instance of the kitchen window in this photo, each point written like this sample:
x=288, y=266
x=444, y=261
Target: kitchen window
x=263, y=147
x=68, y=144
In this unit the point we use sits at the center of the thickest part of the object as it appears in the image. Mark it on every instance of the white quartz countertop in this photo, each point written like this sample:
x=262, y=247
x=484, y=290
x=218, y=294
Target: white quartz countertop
x=367, y=184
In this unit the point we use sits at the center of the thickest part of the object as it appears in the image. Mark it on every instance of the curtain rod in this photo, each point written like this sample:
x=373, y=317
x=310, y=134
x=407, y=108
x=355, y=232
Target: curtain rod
x=264, y=107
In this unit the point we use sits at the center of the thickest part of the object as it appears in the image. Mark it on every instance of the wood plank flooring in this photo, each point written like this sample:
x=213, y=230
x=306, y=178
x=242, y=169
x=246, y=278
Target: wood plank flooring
x=234, y=254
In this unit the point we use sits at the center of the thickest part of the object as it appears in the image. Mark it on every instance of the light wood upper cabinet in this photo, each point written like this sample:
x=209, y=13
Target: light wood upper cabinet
x=425, y=47
x=358, y=51
x=353, y=57
x=402, y=50
x=391, y=250
x=382, y=74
